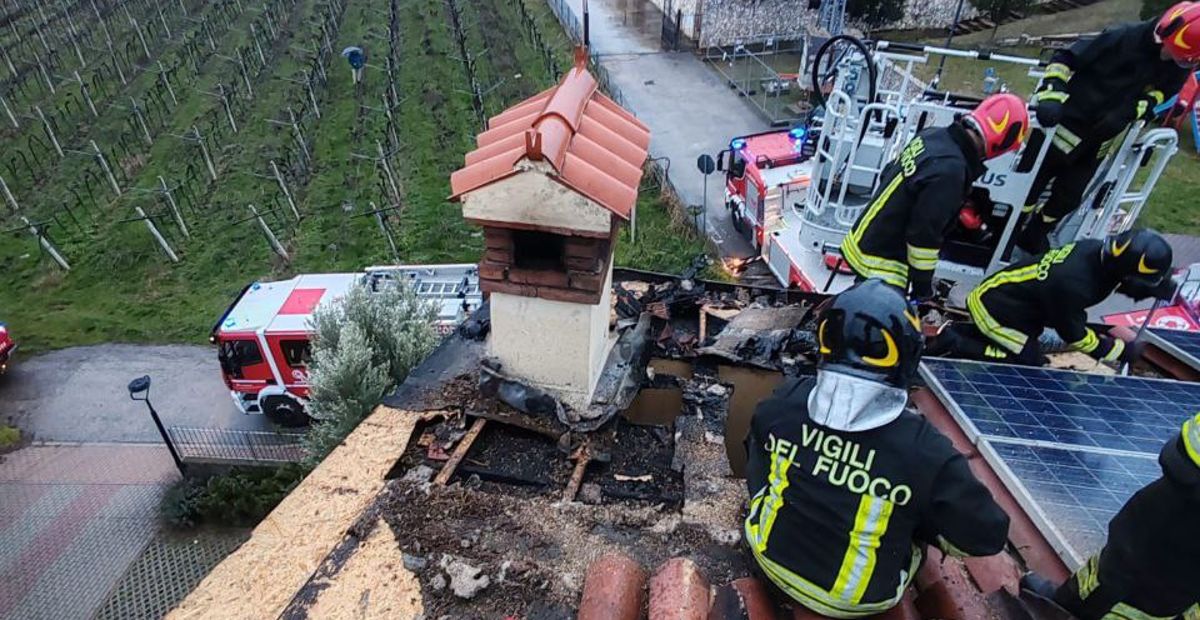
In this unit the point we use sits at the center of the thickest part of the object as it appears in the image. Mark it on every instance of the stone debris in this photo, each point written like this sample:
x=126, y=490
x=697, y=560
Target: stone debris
x=466, y=580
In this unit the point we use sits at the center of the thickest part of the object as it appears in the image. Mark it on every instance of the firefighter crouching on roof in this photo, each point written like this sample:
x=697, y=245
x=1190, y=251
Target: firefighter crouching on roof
x=1149, y=569
x=899, y=234
x=844, y=482
x=1012, y=307
x=1092, y=91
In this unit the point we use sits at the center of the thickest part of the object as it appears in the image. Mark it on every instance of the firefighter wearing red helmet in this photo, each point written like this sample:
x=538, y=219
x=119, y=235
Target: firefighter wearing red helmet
x=899, y=234
x=844, y=482
x=1012, y=307
x=1092, y=91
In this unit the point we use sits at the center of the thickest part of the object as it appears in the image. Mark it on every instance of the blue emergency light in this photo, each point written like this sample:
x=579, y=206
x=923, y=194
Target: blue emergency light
x=737, y=144
x=798, y=133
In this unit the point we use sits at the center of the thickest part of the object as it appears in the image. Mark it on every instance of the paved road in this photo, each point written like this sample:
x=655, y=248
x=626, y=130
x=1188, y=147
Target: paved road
x=79, y=394
x=689, y=109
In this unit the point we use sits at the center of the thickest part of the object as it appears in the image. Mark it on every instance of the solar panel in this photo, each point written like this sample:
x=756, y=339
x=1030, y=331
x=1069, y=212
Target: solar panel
x=1048, y=406
x=1184, y=346
x=1071, y=494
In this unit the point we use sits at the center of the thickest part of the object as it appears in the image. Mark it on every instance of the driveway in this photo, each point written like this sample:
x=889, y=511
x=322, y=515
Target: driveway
x=79, y=394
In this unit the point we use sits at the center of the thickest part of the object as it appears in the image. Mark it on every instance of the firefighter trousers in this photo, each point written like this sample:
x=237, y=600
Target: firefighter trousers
x=965, y=341
x=1070, y=172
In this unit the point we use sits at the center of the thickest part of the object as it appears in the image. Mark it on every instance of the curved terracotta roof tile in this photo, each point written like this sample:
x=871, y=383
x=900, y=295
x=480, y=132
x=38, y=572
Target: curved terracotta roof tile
x=593, y=145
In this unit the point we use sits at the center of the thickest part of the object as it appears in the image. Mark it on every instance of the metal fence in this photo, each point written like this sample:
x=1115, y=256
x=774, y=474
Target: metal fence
x=568, y=19
x=769, y=73
x=236, y=447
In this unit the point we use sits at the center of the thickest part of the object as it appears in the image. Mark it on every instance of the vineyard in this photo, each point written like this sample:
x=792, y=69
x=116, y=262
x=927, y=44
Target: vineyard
x=160, y=155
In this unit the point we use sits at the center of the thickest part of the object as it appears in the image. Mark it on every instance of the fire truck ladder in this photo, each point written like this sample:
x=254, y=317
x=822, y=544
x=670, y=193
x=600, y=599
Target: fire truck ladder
x=1118, y=193
x=837, y=158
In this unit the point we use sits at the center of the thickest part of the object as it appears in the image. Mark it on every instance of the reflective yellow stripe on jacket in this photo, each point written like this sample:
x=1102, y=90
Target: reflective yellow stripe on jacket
x=891, y=271
x=858, y=565
x=1191, y=440
x=1007, y=337
x=817, y=599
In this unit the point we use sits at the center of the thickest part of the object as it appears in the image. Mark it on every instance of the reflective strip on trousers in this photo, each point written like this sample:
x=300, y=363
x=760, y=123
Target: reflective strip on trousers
x=1007, y=337
x=1087, y=344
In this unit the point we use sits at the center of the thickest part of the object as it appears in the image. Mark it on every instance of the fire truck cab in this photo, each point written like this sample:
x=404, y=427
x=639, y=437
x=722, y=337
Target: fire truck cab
x=264, y=338
x=264, y=343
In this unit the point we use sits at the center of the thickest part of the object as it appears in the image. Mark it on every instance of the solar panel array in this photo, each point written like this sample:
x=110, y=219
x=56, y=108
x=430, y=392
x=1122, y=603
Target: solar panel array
x=1077, y=491
x=1074, y=445
x=1185, y=345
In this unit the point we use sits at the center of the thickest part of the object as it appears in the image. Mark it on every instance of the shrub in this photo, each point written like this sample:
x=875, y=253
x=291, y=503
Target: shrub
x=240, y=497
x=9, y=436
x=362, y=348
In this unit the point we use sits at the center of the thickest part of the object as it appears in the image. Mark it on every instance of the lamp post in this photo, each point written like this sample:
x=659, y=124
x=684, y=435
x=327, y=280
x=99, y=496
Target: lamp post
x=139, y=389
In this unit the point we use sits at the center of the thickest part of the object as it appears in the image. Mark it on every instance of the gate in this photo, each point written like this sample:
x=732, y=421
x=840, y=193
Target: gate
x=671, y=28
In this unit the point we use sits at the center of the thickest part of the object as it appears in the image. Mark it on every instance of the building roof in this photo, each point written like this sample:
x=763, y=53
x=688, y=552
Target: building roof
x=594, y=146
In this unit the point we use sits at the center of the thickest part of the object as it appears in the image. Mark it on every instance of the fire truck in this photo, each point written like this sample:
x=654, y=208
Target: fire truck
x=7, y=347
x=795, y=193
x=264, y=338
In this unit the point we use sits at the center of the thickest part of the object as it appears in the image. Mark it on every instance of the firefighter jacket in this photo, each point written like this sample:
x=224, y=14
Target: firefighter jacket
x=1109, y=81
x=1151, y=562
x=845, y=483
x=1054, y=290
x=899, y=234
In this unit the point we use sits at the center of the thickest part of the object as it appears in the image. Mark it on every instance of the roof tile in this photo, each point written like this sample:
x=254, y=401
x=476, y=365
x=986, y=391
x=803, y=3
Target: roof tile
x=593, y=145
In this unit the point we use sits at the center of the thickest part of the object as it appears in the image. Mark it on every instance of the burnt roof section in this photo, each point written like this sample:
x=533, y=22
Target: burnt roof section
x=594, y=146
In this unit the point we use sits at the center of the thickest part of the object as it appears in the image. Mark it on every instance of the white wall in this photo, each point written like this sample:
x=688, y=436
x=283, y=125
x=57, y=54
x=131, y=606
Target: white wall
x=555, y=345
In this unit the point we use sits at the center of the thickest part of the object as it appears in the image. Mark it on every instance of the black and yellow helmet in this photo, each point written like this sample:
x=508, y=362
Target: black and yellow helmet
x=869, y=331
x=1140, y=260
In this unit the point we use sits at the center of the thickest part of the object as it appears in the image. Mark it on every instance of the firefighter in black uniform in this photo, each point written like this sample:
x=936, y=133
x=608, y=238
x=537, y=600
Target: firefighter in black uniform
x=1012, y=307
x=845, y=483
x=1092, y=91
x=1150, y=566
x=899, y=234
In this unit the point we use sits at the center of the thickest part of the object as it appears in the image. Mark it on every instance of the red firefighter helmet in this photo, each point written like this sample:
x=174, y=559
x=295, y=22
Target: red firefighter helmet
x=1179, y=32
x=1003, y=121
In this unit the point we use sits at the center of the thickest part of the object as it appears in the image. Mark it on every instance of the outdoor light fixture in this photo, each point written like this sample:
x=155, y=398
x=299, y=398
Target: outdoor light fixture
x=139, y=389
x=141, y=385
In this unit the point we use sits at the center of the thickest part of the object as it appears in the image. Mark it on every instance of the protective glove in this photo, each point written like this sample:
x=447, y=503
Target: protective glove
x=1166, y=289
x=1049, y=107
x=1051, y=96
x=1145, y=107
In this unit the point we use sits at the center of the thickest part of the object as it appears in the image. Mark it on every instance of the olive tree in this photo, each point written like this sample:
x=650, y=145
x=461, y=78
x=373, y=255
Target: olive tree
x=364, y=345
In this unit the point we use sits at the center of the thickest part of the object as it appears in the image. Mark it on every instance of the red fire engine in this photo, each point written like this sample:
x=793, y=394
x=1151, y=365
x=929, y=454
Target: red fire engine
x=7, y=347
x=264, y=337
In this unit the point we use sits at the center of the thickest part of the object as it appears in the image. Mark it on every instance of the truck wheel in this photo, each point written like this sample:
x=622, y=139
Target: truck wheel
x=284, y=411
x=735, y=215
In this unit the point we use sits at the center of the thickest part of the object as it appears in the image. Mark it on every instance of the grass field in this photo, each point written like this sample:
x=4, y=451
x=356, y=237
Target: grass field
x=123, y=288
